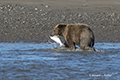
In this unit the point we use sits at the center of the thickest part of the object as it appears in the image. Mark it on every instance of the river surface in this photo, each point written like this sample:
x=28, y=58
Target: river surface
x=31, y=61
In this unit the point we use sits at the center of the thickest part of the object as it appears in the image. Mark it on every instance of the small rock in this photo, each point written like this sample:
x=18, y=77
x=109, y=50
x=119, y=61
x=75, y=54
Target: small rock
x=8, y=5
x=5, y=33
x=103, y=26
x=22, y=8
x=1, y=7
x=84, y=5
x=46, y=6
x=41, y=10
x=36, y=8
x=79, y=15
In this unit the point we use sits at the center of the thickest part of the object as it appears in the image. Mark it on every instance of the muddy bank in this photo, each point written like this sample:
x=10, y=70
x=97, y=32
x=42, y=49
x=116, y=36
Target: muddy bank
x=34, y=23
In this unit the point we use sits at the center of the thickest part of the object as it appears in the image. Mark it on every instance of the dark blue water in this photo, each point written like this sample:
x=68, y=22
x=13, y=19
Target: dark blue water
x=29, y=61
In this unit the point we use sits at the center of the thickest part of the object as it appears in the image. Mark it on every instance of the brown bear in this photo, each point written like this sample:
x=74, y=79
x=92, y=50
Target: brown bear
x=75, y=34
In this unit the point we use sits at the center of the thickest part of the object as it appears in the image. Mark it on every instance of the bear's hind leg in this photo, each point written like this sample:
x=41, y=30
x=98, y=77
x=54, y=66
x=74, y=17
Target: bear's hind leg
x=87, y=48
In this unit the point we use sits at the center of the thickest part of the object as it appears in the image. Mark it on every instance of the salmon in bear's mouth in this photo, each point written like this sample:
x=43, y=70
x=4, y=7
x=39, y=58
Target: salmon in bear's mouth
x=57, y=40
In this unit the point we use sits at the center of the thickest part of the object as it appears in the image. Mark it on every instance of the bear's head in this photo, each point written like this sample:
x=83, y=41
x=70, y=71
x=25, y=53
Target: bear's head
x=58, y=29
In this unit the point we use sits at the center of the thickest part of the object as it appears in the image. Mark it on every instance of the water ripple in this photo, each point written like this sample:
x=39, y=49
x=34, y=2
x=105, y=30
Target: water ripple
x=45, y=61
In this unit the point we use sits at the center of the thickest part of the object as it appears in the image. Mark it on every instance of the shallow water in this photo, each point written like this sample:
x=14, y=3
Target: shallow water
x=20, y=61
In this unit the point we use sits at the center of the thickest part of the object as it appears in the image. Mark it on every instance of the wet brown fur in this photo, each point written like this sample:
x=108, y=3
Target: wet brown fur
x=75, y=34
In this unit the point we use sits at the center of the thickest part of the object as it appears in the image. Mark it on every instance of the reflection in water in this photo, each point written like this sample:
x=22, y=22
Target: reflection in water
x=48, y=61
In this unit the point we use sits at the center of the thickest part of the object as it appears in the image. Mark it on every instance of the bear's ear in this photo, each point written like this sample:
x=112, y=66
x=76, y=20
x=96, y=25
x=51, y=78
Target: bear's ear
x=61, y=25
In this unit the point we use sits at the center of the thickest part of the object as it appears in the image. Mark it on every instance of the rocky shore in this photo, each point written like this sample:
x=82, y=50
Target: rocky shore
x=34, y=24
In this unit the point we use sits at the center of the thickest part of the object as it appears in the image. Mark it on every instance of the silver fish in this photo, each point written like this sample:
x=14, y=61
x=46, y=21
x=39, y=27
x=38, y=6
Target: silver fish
x=56, y=39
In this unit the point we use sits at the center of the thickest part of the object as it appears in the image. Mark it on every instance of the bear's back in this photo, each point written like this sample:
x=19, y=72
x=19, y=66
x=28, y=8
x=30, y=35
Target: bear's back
x=77, y=27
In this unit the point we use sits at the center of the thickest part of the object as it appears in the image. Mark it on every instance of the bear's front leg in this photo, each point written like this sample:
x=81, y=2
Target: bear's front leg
x=71, y=44
x=66, y=45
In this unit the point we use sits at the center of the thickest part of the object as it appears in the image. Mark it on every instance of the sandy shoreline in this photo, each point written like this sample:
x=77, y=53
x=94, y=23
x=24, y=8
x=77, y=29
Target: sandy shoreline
x=33, y=20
